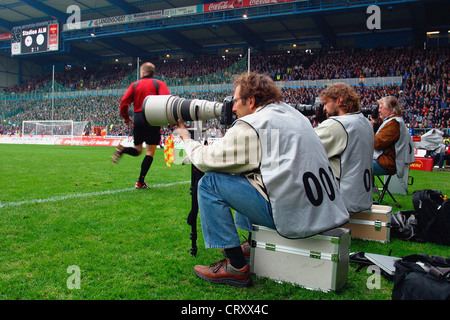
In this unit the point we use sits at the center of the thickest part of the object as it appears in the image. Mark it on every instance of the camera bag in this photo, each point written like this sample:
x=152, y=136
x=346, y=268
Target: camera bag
x=421, y=277
x=433, y=216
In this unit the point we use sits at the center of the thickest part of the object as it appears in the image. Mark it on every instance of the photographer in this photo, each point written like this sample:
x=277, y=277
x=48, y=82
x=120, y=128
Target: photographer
x=393, y=144
x=270, y=167
x=348, y=140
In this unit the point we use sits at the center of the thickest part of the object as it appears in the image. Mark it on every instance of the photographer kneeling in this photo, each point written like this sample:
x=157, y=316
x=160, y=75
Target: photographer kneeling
x=348, y=140
x=271, y=168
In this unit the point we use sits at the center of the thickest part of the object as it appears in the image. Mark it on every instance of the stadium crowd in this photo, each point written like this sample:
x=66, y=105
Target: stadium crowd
x=424, y=93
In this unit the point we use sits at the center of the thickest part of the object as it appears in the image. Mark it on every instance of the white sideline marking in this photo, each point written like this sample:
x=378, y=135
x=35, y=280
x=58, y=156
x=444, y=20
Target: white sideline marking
x=84, y=195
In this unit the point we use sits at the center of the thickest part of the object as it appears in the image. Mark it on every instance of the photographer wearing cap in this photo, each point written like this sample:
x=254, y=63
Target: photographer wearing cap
x=348, y=140
x=393, y=147
x=271, y=168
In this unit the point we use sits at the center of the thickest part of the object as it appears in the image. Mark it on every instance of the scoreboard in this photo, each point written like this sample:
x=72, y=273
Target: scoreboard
x=35, y=38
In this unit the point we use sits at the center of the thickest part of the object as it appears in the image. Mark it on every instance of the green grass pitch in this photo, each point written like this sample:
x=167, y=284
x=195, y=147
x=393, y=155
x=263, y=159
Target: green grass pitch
x=70, y=207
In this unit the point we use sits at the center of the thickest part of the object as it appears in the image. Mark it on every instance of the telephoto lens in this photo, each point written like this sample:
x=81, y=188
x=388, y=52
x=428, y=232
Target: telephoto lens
x=162, y=110
x=312, y=110
x=306, y=109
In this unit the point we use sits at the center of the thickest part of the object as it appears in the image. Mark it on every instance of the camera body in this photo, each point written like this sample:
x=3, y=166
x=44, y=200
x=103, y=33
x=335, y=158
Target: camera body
x=317, y=110
x=228, y=116
x=162, y=110
x=371, y=111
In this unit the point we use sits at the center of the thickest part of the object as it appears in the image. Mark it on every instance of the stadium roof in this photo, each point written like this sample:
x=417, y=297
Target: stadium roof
x=280, y=22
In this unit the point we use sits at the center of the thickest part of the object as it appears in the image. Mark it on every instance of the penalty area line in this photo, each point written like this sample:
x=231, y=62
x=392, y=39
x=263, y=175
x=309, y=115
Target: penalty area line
x=84, y=195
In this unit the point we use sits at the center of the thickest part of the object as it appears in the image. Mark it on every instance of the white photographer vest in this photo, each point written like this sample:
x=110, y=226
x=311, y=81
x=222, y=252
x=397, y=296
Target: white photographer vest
x=296, y=172
x=355, y=182
x=404, y=148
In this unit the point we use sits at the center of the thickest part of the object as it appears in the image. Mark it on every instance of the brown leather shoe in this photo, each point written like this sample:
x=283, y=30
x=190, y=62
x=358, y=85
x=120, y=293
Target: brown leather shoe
x=223, y=272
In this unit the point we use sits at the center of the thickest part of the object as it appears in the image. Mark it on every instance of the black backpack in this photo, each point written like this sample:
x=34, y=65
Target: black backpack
x=421, y=277
x=433, y=216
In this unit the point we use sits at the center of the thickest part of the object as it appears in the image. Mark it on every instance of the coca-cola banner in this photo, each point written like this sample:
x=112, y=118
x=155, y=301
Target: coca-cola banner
x=169, y=13
x=235, y=4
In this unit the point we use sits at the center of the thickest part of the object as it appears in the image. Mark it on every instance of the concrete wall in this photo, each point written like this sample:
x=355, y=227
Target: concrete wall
x=15, y=71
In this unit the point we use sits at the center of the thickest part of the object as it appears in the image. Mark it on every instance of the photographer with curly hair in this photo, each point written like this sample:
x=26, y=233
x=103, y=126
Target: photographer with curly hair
x=348, y=140
x=271, y=168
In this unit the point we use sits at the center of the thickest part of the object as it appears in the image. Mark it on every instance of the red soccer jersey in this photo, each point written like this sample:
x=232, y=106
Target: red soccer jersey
x=137, y=92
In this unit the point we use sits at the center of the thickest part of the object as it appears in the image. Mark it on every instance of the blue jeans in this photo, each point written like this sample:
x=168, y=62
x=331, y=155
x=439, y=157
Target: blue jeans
x=443, y=157
x=217, y=192
x=379, y=170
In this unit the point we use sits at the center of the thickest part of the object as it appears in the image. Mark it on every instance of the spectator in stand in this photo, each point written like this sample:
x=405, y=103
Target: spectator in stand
x=425, y=74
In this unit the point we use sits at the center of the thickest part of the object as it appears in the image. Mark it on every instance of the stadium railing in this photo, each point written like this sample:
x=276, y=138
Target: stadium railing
x=205, y=87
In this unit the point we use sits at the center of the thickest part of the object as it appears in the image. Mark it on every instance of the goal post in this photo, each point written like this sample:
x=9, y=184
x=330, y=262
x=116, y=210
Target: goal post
x=53, y=127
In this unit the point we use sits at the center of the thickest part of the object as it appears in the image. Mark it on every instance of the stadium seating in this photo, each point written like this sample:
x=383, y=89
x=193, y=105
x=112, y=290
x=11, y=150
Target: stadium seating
x=424, y=93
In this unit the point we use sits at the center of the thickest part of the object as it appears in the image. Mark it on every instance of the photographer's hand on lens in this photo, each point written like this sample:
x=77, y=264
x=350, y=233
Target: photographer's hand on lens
x=182, y=131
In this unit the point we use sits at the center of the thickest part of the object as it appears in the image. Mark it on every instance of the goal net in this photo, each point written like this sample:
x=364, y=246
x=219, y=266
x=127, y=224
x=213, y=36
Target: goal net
x=53, y=127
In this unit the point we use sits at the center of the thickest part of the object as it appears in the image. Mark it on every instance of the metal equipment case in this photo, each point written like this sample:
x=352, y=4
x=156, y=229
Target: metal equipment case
x=319, y=262
x=373, y=224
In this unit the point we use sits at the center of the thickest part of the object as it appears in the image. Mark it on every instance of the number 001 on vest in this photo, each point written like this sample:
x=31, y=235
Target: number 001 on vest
x=319, y=262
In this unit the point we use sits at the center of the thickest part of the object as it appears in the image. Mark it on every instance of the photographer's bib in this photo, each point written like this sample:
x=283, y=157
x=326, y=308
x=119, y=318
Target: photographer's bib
x=296, y=172
x=356, y=162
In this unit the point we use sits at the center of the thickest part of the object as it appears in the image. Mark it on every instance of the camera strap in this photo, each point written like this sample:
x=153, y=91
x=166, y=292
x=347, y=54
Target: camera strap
x=155, y=83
